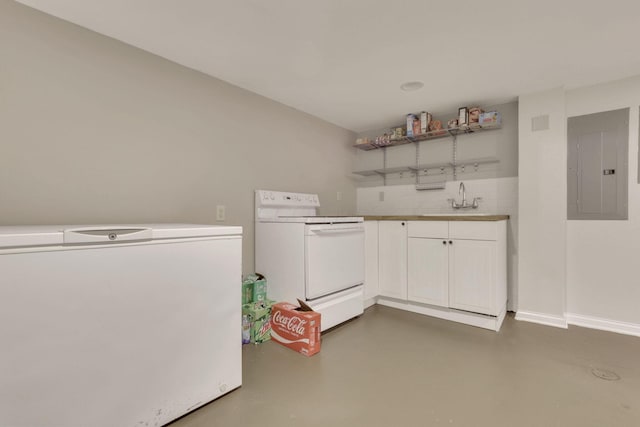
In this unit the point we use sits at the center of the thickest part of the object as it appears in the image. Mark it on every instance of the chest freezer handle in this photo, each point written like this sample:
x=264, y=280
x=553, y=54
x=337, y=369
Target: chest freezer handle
x=105, y=235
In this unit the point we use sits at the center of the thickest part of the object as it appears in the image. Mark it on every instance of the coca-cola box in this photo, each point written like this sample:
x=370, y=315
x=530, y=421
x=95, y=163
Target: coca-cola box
x=296, y=327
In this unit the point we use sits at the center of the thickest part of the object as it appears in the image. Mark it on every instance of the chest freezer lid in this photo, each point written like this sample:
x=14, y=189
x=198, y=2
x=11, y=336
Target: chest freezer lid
x=56, y=235
x=31, y=235
x=177, y=231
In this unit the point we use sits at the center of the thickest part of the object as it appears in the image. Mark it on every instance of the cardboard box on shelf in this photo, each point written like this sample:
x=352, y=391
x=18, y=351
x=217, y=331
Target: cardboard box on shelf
x=296, y=327
x=474, y=114
x=463, y=116
x=416, y=127
x=410, y=119
x=489, y=118
x=259, y=316
x=425, y=118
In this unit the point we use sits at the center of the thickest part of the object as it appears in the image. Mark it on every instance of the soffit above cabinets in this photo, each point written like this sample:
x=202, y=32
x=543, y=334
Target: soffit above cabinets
x=345, y=61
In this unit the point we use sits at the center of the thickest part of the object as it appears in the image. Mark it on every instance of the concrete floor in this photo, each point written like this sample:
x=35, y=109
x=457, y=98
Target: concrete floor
x=393, y=368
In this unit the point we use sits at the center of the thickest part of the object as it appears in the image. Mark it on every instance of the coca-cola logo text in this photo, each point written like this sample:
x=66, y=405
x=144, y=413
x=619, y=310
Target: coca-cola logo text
x=291, y=323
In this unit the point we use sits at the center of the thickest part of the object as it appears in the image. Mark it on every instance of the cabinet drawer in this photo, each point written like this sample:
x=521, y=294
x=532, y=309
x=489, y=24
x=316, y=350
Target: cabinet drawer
x=433, y=229
x=473, y=230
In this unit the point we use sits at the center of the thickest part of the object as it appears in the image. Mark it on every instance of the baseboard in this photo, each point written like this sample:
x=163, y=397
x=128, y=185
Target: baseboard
x=604, y=324
x=527, y=316
x=468, y=318
x=542, y=319
x=370, y=301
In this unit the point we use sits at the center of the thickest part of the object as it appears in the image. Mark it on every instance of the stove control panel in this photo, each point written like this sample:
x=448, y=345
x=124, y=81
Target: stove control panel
x=279, y=198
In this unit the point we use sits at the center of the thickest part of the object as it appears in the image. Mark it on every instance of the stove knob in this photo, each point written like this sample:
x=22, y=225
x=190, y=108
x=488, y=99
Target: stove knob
x=271, y=196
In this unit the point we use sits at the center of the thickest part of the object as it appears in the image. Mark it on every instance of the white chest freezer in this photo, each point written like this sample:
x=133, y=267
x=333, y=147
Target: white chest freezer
x=117, y=326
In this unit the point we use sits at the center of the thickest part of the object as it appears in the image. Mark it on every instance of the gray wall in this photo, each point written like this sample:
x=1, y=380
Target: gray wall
x=501, y=144
x=96, y=131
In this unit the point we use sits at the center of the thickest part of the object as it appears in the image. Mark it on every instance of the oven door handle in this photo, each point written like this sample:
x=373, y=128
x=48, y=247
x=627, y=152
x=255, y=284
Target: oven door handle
x=337, y=230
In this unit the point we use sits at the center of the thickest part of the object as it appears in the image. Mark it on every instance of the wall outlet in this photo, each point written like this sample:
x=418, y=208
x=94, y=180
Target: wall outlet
x=381, y=196
x=339, y=195
x=220, y=212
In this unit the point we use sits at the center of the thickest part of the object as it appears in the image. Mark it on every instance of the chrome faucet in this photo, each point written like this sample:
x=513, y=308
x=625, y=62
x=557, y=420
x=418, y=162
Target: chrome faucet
x=463, y=205
x=462, y=190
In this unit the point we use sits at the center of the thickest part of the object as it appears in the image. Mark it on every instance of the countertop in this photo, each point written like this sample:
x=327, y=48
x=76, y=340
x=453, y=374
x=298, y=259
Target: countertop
x=436, y=217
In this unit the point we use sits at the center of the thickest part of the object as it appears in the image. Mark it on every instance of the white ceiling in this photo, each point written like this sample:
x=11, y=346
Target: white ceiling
x=344, y=60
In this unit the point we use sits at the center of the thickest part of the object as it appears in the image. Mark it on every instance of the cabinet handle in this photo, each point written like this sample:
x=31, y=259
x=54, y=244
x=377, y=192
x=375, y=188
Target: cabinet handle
x=450, y=242
x=403, y=224
x=444, y=242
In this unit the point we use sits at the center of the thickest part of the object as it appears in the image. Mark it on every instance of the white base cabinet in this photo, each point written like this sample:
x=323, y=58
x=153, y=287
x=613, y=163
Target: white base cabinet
x=450, y=269
x=472, y=276
x=392, y=259
x=478, y=266
x=428, y=271
x=371, y=288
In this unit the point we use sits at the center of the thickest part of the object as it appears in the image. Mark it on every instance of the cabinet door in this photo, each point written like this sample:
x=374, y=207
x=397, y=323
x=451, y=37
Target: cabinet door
x=370, y=260
x=472, y=276
x=428, y=271
x=392, y=259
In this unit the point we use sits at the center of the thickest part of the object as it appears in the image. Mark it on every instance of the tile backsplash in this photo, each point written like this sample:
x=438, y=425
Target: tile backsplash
x=499, y=196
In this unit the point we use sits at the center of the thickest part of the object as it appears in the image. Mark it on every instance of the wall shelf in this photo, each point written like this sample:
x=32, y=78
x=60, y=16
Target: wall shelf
x=370, y=172
x=460, y=165
x=385, y=171
x=427, y=166
x=375, y=146
x=453, y=167
x=388, y=171
x=438, y=134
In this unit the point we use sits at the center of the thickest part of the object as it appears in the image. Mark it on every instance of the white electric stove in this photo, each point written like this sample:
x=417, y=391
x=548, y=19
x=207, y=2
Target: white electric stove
x=319, y=259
